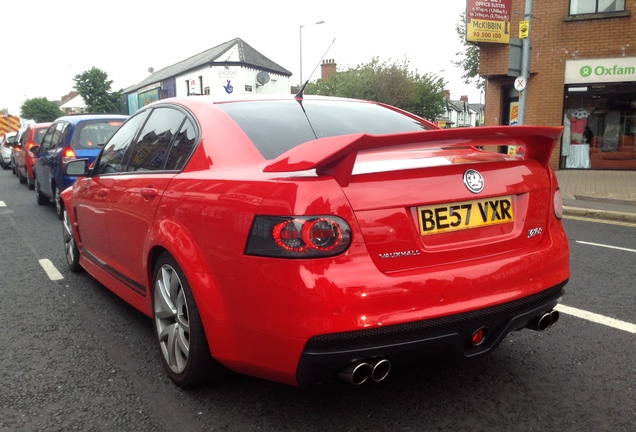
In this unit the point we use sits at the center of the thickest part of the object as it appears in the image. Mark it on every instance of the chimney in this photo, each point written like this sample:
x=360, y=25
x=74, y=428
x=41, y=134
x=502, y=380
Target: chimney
x=464, y=98
x=447, y=93
x=327, y=68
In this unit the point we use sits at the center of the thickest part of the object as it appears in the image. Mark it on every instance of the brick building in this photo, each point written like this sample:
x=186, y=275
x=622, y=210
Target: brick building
x=582, y=73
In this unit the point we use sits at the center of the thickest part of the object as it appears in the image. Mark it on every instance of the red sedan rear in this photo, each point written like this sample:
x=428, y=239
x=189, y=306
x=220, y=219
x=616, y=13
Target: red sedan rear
x=25, y=158
x=304, y=240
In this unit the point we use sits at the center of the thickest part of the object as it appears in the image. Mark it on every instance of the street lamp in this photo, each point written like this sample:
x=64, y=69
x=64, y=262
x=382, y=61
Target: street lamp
x=301, y=49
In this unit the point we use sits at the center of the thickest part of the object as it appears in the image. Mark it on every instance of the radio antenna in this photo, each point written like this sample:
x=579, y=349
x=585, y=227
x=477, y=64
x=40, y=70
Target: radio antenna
x=299, y=95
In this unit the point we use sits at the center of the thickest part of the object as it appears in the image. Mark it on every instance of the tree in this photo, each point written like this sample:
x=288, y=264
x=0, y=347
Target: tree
x=469, y=58
x=94, y=87
x=428, y=99
x=390, y=83
x=40, y=110
x=4, y=111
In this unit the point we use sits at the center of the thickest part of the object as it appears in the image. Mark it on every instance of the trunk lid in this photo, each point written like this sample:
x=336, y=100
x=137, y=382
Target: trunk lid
x=429, y=199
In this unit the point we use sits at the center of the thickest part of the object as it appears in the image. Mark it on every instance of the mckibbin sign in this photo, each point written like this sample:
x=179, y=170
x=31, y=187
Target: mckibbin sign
x=617, y=69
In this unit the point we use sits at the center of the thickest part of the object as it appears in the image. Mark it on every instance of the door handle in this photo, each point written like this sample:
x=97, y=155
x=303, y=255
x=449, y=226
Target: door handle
x=149, y=192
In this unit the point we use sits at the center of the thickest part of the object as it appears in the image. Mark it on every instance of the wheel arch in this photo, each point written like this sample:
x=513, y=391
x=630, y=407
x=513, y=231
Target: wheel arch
x=169, y=237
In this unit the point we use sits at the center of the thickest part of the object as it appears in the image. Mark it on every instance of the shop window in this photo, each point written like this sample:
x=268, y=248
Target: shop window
x=600, y=126
x=579, y=7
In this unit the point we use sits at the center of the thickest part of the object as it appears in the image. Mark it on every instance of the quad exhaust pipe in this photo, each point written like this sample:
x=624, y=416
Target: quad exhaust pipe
x=364, y=370
x=544, y=322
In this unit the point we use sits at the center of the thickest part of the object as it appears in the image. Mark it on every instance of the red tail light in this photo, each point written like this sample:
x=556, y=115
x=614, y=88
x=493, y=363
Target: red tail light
x=298, y=237
x=68, y=155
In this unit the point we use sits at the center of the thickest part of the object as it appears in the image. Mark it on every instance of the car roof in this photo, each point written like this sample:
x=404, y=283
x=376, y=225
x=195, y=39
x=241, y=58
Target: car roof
x=78, y=118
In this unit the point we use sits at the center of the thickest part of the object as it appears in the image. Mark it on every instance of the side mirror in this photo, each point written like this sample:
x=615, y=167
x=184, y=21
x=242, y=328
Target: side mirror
x=35, y=149
x=77, y=168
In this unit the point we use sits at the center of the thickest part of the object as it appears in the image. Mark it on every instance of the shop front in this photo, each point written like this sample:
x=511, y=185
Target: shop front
x=599, y=115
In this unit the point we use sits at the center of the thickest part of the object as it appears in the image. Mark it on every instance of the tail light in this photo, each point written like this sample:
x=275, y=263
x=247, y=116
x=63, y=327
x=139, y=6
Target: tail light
x=558, y=204
x=298, y=237
x=68, y=155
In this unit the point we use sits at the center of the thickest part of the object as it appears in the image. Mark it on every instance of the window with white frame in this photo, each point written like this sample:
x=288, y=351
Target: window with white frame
x=578, y=7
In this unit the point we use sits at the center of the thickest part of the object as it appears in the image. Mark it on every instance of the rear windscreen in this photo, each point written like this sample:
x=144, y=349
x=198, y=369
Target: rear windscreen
x=277, y=126
x=93, y=134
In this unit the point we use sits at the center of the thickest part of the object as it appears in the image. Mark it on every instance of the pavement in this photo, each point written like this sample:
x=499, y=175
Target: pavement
x=601, y=194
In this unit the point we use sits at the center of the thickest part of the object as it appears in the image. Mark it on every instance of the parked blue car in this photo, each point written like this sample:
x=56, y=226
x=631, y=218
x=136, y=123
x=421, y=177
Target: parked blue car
x=70, y=137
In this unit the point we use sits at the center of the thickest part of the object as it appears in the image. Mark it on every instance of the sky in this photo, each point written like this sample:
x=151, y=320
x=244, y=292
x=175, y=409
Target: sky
x=49, y=42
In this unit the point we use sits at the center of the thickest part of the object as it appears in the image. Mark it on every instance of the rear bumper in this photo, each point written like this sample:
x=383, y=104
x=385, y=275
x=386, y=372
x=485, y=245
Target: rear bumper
x=325, y=355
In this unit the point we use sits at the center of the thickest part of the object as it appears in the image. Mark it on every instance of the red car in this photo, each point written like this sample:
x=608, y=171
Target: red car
x=305, y=239
x=25, y=159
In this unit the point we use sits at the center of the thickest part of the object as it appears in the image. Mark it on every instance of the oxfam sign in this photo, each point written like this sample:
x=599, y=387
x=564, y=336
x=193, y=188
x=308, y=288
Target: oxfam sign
x=588, y=71
x=600, y=70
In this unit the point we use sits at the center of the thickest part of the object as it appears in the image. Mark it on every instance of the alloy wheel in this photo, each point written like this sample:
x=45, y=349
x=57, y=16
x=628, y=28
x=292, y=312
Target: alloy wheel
x=71, y=251
x=59, y=205
x=172, y=319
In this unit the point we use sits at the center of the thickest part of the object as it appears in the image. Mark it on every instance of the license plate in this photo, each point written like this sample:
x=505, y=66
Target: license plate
x=442, y=218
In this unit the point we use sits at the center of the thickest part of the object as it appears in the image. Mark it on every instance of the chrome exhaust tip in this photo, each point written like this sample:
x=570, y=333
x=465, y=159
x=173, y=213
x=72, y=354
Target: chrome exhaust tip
x=555, y=316
x=543, y=322
x=356, y=373
x=380, y=370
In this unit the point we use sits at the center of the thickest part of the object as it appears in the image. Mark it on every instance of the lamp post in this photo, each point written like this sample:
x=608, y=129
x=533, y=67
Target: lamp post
x=301, y=49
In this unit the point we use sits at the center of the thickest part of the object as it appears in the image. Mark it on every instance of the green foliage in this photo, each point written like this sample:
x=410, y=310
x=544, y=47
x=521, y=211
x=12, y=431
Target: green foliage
x=428, y=99
x=469, y=58
x=94, y=87
x=390, y=83
x=4, y=111
x=40, y=110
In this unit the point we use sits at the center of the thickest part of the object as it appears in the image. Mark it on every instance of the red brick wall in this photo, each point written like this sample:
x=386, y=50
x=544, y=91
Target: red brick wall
x=554, y=40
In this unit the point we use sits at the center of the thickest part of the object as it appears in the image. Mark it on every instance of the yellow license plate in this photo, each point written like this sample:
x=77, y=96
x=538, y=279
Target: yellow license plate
x=441, y=218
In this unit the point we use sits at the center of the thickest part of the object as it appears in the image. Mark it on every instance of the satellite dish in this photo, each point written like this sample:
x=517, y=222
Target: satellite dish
x=151, y=69
x=262, y=77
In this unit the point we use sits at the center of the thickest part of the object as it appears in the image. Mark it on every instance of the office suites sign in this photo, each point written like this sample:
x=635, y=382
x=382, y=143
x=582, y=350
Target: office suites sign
x=488, y=21
x=617, y=69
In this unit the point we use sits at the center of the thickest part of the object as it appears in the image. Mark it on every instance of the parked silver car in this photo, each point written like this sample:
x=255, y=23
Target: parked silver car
x=7, y=145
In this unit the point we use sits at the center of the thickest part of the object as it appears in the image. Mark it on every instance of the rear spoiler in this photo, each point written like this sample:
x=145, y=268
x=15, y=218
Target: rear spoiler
x=336, y=156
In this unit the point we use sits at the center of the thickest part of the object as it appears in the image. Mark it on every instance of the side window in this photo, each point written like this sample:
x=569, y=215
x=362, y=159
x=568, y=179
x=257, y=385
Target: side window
x=59, y=134
x=153, y=145
x=25, y=137
x=48, y=138
x=182, y=146
x=115, y=155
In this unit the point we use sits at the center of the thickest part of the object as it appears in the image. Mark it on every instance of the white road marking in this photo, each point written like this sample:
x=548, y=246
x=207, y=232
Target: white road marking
x=599, y=319
x=50, y=270
x=606, y=246
x=603, y=221
x=2, y=204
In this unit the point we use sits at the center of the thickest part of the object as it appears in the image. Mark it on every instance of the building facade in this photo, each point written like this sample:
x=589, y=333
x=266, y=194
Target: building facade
x=460, y=113
x=231, y=68
x=582, y=77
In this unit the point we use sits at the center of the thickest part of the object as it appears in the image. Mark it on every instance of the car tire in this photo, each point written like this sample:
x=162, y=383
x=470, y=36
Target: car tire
x=184, y=349
x=21, y=178
x=71, y=251
x=29, y=180
x=39, y=197
x=59, y=204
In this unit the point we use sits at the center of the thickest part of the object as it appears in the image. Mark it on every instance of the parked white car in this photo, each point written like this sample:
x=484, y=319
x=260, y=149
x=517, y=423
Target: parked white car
x=7, y=144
